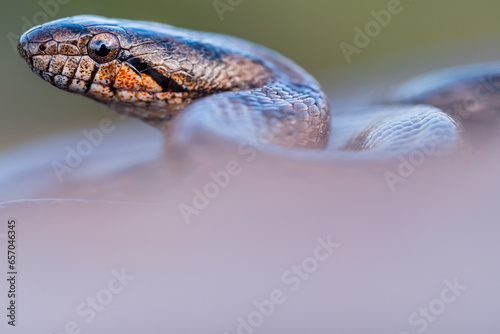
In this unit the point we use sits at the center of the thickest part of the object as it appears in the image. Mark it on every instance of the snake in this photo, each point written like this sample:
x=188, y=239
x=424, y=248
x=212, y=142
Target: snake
x=183, y=82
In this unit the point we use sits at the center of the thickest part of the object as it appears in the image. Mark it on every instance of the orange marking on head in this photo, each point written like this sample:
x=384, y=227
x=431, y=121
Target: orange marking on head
x=164, y=96
x=149, y=84
x=77, y=86
x=144, y=96
x=107, y=73
x=128, y=79
x=126, y=96
x=85, y=68
x=100, y=92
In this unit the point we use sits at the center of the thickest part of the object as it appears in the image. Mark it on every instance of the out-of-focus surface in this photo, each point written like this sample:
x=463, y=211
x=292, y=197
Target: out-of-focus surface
x=281, y=246
x=129, y=240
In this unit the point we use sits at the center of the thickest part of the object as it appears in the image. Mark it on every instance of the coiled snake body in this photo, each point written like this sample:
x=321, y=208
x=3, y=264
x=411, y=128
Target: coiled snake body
x=234, y=88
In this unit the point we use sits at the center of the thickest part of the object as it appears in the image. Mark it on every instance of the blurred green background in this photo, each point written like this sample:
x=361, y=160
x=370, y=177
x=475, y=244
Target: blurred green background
x=307, y=31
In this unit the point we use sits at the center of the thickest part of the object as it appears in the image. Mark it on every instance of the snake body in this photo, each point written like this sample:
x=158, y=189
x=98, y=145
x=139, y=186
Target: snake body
x=235, y=88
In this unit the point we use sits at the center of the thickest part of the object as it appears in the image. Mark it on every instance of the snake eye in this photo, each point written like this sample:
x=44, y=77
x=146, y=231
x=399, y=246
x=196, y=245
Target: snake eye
x=104, y=48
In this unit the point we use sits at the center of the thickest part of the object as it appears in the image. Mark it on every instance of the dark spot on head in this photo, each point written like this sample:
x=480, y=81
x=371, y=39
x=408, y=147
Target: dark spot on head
x=94, y=73
x=87, y=86
x=166, y=83
x=138, y=64
x=89, y=82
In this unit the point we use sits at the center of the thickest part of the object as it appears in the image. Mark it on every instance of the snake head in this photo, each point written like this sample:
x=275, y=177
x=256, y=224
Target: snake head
x=143, y=69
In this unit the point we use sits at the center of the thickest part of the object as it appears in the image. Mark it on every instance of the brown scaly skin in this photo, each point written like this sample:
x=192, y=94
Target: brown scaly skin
x=152, y=71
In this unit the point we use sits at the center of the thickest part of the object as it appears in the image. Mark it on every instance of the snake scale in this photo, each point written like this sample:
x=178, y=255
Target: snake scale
x=243, y=91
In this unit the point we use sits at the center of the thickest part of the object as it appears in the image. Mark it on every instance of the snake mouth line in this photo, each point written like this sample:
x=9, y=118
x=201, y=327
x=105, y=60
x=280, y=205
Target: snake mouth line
x=107, y=93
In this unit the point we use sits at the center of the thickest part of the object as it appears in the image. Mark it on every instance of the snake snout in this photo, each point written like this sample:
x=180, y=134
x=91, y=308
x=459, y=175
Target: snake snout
x=47, y=53
x=34, y=45
x=23, y=48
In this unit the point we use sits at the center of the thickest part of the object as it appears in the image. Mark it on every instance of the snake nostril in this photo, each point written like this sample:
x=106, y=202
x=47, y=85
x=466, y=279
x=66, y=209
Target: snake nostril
x=42, y=47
